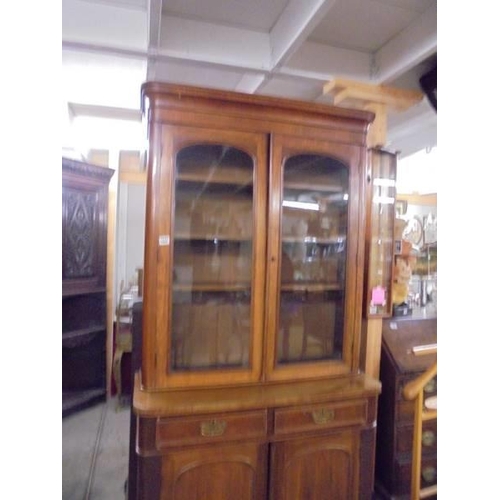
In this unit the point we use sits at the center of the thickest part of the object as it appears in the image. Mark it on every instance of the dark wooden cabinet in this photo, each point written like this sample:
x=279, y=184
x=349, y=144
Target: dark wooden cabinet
x=84, y=244
x=253, y=291
x=398, y=365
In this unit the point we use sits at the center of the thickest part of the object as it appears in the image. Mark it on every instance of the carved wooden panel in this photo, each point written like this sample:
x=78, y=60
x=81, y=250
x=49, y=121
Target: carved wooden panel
x=80, y=234
x=84, y=226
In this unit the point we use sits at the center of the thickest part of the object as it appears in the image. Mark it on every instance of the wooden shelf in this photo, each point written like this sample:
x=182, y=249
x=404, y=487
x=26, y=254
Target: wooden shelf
x=314, y=186
x=310, y=287
x=83, y=332
x=331, y=240
x=211, y=287
x=90, y=291
x=220, y=175
x=73, y=401
x=211, y=237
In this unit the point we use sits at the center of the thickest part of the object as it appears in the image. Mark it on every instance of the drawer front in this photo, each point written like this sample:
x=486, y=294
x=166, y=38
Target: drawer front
x=405, y=411
x=430, y=389
x=405, y=408
x=210, y=428
x=404, y=438
x=314, y=417
x=428, y=475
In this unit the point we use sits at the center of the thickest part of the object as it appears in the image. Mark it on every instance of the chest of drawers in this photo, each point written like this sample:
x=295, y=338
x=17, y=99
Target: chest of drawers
x=398, y=365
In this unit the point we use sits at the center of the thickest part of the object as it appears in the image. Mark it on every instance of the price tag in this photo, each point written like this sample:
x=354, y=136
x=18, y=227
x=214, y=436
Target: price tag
x=378, y=296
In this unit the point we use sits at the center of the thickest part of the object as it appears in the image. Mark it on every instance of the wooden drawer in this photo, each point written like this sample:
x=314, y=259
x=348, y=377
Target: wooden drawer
x=314, y=417
x=405, y=410
x=404, y=438
x=430, y=389
x=181, y=431
x=428, y=476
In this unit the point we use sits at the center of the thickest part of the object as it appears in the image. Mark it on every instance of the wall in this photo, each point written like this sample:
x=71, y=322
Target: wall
x=131, y=211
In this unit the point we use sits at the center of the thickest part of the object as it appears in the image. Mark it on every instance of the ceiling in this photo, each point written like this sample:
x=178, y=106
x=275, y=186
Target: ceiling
x=286, y=48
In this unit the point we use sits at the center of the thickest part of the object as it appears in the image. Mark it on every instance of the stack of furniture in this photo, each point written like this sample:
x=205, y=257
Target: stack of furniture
x=84, y=247
x=250, y=384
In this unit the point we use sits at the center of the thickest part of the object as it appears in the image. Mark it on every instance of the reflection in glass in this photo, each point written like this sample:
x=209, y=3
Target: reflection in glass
x=381, y=215
x=313, y=258
x=213, y=231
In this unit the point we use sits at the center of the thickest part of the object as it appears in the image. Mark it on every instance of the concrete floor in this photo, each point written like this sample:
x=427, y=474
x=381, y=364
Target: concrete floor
x=95, y=447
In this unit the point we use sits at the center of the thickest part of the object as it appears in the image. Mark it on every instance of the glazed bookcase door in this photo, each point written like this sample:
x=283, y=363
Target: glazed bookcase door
x=313, y=271
x=210, y=267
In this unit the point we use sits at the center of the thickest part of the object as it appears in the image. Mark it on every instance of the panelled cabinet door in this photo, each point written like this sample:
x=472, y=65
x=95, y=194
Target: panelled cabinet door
x=320, y=468
x=84, y=227
x=313, y=262
x=209, y=263
x=224, y=472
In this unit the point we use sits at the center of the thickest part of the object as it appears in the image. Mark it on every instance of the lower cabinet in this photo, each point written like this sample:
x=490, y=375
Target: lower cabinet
x=320, y=450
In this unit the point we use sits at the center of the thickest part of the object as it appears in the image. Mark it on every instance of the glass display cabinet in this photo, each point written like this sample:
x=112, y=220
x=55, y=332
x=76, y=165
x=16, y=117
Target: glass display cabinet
x=253, y=285
x=381, y=199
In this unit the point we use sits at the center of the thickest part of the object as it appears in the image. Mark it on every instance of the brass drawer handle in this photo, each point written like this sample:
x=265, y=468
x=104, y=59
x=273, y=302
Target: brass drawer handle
x=429, y=474
x=430, y=386
x=428, y=438
x=213, y=428
x=322, y=416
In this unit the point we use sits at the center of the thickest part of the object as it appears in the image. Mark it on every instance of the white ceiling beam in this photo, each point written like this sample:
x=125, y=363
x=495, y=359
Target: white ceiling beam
x=212, y=43
x=154, y=36
x=410, y=47
x=106, y=50
x=103, y=25
x=422, y=138
x=250, y=82
x=323, y=62
x=413, y=129
x=306, y=64
x=77, y=109
x=294, y=25
x=154, y=24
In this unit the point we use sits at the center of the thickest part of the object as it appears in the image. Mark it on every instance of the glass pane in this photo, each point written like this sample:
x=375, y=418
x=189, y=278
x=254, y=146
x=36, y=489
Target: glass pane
x=213, y=232
x=381, y=232
x=313, y=259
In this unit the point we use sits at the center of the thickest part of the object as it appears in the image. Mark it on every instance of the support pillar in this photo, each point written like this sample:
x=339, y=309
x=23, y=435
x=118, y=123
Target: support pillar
x=380, y=100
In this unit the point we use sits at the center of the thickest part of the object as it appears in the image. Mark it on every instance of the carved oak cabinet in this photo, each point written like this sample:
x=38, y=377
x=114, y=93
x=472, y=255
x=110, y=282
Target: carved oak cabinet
x=250, y=385
x=84, y=237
